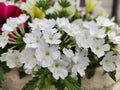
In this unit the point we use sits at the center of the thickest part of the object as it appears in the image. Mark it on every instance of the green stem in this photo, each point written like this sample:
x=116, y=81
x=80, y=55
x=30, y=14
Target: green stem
x=16, y=33
x=21, y=27
x=68, y=39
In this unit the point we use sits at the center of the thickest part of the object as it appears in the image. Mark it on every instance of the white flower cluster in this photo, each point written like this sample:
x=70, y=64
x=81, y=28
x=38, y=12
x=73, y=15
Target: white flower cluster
x=11, y=25
x=43, y=45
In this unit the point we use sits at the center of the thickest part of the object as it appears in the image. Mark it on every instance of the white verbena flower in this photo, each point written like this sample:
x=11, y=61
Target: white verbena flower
x=10, y=24
x=4, y=39
x=33, y=39
x=58, y=69
x=114, y=34
x=62, y=22
x=46, y=54
x=71, y=29
x=12, y=59
x=29, y=61
x=52, y=36
x=35, y=24
x=114, y=37
x=44, y=24
x=102, y=21
x=94, y=29
x=108, y=62
x=99, y=47
x=69, y=54
x=82, y=51
x=99, y=33
x=80, y=64
x=22, y=18
x=82, y=39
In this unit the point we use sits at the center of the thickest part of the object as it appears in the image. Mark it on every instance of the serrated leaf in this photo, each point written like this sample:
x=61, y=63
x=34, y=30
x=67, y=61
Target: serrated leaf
x=41, y=81
x=64, y=3
x=59, y=84
x=52, y=15
x=43, y=4
x=31, y=85
x=71, y=83
x=47, y=83
x=44, y=78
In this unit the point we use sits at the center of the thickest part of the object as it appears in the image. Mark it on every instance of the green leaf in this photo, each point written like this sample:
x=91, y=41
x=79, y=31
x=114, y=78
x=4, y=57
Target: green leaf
x=63, y=14
x=43, y=4
x=47, y=82
x=52, y=15
x=43, y=80
x=71, y=83
x=90, y=71
x=1, y=76
x=4, y=66
x=64, y=3
x=59, y=84
x=31, y=85
x=21, y=72
x=112, y=75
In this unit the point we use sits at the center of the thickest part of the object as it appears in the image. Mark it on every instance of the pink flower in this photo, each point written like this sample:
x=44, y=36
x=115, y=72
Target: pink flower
x=7, y=11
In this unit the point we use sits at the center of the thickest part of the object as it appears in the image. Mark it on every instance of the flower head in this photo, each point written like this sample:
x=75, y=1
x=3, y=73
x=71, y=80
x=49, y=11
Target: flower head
x=108, y=62
x=58, y=69
x=12, y=59
x=46, y=54
x=99, y=47
x=30, y=61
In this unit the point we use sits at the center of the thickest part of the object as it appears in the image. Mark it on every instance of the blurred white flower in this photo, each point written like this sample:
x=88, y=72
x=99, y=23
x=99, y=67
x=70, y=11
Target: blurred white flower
x=71, y=29
x=82, y=39
x=99, y=47
x=68, y=53
x=114, y=37
x=58, y=69
x=4, y=39
x=46, y=54
x=52, y=36
x=12, y=59
x=33, y=39
x=102, y=21
x=114, y=34
x=80, y=64
x=62, y=22
x=10, y=25
x=94, y=29
x=65, y=25
x=29, y=61
x=44, y=24
x=22, y=18
x=108, y=62
x=35, y=24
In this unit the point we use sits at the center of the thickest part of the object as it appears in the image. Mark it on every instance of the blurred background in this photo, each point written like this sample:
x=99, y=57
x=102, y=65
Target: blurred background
x=111, y=6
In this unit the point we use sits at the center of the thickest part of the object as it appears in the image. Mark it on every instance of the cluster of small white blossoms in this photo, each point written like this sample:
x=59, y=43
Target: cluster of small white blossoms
x=43, y=45
x=11, y=25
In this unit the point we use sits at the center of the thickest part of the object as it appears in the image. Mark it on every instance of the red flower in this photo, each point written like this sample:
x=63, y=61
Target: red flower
x=7, y=11
x=23, y=0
